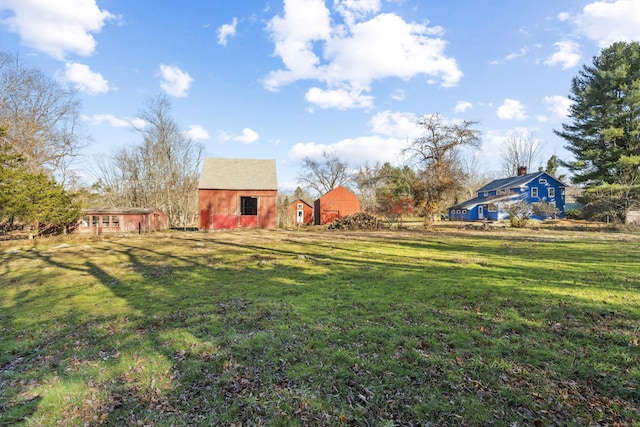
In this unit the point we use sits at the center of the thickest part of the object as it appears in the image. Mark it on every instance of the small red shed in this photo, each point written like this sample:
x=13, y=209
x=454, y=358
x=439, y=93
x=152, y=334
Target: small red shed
x=234, y=193
x=125, y=220
x=335, y=204
x=300, y=212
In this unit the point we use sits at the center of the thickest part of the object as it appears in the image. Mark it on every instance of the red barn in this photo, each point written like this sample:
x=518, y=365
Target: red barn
x=235, y=193
x=335, y=204
x=126, y=220
x=300, y=212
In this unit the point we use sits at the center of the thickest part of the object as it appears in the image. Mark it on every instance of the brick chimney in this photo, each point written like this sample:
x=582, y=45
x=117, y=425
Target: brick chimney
x=522, y=170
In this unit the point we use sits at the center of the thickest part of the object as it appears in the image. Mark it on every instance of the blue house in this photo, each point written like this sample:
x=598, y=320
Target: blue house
x=540, y=190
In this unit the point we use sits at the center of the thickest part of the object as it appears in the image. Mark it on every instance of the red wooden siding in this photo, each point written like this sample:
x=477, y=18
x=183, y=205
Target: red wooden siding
x=113, y=220
x=335, y=204
x=300, y=207
x=220, y=209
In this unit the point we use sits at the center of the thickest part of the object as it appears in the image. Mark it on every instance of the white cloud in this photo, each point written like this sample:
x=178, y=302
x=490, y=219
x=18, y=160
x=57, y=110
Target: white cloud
x=558, y=105
x=462, y=106
x=563, y=16
x=355, y=151
x=353, y=10
x=607, y=22
x=338, y=98
x=55, y=27
x=248, y=136
x=348, y=57
x=85, y=80
x=226, y=31
x=175, y=82
x=510, y=57
x=391, y=133
x=395, y=124
x=398, y=95
x=113, y=121
x=494, y=142
x=567, y=54
x=197, y=133
x=511, y=110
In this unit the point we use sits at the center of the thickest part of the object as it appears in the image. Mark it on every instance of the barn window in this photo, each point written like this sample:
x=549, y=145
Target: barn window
x=299, y=205
x=248, y=206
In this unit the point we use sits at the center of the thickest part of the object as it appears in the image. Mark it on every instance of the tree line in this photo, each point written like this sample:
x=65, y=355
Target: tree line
x=41, y=137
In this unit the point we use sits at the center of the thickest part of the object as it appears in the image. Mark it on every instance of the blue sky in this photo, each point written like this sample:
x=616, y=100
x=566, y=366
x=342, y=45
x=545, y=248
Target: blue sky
x=290, y=79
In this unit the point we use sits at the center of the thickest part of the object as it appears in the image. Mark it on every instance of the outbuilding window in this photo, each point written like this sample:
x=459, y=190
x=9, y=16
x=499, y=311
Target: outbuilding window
x=248, y=206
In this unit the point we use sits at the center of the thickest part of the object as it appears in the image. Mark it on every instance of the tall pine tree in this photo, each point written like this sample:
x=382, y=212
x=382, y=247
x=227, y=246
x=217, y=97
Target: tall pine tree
x=604, y=133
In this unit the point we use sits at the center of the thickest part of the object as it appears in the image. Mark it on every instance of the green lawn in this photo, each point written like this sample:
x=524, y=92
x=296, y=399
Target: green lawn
x=533, y=327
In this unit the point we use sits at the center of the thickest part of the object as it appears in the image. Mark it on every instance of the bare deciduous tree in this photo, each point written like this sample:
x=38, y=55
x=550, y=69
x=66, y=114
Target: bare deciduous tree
x=521, y=150
x=324, y=175
x=161, y=172
x=436, y=156
x=368, y=179
x=41, y=118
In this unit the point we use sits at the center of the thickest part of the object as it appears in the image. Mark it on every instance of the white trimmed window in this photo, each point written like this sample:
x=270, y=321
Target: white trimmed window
x=534, y=191
x=542, y=180
x=552, y=192
x=464, y=211
x=492, y=208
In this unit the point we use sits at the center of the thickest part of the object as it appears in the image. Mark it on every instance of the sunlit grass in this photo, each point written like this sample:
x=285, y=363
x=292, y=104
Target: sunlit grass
x=295, y=328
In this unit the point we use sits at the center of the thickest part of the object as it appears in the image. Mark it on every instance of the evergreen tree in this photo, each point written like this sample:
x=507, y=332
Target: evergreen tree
x=33, y=199
x=604, y=134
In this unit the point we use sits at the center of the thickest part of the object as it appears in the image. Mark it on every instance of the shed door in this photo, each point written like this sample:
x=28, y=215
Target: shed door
x=480, y=212
x=248, y=211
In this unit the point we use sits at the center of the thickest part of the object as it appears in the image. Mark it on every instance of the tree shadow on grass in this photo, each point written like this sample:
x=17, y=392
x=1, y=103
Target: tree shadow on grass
x=268, y=335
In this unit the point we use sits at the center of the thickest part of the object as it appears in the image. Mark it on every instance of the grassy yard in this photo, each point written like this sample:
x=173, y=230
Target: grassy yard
x=521, y=328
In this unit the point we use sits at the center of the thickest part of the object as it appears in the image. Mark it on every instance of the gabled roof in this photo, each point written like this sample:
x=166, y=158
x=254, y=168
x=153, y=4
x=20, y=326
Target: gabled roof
x=483, y=200
x=514, y=182
x=238, y=174
x=339, y=191
x=295, y=202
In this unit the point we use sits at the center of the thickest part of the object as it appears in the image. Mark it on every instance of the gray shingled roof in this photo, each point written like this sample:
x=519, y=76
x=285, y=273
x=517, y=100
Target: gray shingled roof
x=238, y=174
x=513, y=182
